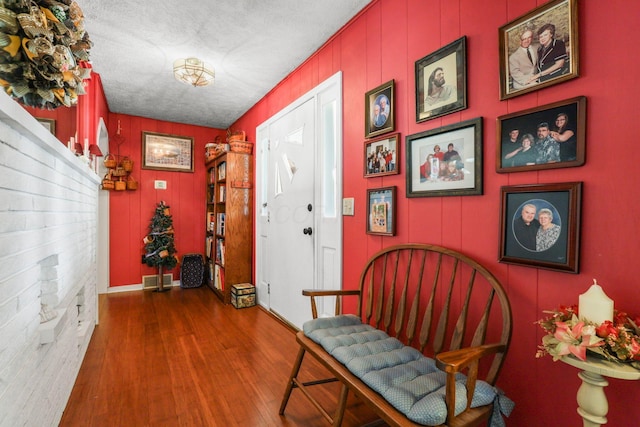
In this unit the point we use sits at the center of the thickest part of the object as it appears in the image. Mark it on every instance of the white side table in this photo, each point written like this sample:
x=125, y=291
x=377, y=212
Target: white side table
x=592, y=402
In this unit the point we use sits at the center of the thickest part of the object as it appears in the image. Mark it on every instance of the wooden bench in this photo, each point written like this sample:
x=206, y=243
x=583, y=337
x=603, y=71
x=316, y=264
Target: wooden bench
x=434, y=299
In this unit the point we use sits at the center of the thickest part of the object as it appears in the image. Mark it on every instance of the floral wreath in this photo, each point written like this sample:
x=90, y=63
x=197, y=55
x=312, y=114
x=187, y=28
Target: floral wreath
x=617, y=340
x=44, y=50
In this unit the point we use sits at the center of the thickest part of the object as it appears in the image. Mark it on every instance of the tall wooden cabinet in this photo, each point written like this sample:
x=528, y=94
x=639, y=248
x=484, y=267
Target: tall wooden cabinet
x=229, y=222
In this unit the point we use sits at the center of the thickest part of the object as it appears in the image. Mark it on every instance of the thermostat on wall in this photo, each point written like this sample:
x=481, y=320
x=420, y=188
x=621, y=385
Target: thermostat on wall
x=160, y=185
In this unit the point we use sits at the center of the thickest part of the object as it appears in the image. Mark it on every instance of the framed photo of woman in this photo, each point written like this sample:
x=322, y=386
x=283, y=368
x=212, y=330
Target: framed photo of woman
x=540, y=225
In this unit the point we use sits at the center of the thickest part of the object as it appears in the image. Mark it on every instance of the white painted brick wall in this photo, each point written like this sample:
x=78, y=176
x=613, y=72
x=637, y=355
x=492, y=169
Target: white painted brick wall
x=48, y=237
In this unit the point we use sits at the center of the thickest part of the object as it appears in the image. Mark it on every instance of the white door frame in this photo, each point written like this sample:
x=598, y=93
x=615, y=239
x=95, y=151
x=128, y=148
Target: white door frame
x=328, y=154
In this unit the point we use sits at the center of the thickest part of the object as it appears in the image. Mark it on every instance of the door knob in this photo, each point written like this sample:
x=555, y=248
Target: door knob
x=307, y=230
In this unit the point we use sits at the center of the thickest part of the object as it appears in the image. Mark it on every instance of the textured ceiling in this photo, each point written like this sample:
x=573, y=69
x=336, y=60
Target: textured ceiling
x=251, y=44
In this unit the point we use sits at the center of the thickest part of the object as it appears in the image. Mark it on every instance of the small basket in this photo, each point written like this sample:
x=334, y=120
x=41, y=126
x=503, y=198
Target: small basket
x=110, y=161
x=127, y=164
x=241, y=147
x=120, y=185
x=211, y=149
x=132, y=184
x=119, y=171
x=236, y=136
x=107, y=182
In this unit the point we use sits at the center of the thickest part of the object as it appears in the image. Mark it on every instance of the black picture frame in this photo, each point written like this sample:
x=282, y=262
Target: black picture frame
x=382, y=156
x=432, y=172
x=381, y=97
x=451, y=62
x=381, y=211
x=559, y=18
x=558, y=248
x=569, y=139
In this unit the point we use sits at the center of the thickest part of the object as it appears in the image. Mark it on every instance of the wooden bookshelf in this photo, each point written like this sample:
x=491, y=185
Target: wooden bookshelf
x=229, y=219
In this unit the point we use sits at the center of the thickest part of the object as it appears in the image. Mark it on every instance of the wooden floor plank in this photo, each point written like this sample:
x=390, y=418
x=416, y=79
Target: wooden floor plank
x=182, y=358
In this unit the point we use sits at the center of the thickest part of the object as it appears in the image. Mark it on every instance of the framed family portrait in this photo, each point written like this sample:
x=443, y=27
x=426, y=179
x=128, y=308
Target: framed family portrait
x=540, y=225
x=381, y=207
x=379, y=109
x=49, y=124
x=441, y=81
x=167, y=152
x=446, y=161
x=539, y=49
x=381, y=156
x=548, y=137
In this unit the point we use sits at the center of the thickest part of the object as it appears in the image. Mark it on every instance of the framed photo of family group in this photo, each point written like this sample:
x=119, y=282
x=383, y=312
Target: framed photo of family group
x=540, y=225
x=381, y=156
x=539, y=49
x=379, y=110
x=441, y=81
x=551, y=136
x=446, y=161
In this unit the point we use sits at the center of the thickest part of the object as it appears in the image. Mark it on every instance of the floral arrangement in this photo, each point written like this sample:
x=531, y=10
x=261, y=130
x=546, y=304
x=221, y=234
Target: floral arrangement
x=617, y=340
x=44, y=52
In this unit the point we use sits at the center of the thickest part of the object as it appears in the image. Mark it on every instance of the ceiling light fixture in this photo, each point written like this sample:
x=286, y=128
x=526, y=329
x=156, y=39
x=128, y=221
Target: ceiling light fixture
x=193, y=71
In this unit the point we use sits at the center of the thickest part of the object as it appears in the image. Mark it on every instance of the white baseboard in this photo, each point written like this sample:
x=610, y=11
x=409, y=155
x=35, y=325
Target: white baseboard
x=136, y=287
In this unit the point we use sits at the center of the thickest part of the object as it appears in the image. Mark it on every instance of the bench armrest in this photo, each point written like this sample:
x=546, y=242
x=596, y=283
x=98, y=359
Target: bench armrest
x=327, y=293
x=452, y=362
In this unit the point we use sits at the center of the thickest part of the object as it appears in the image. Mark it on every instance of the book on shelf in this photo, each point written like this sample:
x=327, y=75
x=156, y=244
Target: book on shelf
x=211, y=272
x=223, y=193
x=222, y=171
x=220, y=224
x=210, y=242
x=220, y=251
x=211, y=222
x=218, y=277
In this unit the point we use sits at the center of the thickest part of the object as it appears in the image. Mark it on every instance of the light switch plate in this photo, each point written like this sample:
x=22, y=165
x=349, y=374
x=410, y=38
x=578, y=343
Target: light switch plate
x=347, y=206
x=160, y=185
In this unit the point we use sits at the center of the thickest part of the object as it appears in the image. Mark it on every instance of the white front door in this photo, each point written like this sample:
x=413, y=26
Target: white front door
x=298, y=223
x=291, y=203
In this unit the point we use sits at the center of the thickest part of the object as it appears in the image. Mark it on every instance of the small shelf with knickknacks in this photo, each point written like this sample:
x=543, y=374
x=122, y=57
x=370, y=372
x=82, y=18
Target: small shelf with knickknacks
x=118, y=176
x=228, y=216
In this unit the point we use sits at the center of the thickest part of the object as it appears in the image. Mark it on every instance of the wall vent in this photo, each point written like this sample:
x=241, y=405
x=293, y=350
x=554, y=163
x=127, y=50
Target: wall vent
x=150, y=282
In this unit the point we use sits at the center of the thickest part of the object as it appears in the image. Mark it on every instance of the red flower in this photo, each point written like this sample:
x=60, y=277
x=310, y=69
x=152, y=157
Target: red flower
x=605, y=329
x=620, y=318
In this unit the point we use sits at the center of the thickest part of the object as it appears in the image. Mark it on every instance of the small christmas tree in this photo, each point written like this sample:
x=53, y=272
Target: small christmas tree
x=158, y=244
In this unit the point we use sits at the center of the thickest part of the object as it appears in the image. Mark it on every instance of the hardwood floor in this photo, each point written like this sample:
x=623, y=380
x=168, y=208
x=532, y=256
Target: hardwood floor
x=182, y=358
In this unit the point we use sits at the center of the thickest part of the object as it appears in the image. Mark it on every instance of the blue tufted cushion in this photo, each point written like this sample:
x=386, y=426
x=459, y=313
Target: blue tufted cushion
x=406, y=378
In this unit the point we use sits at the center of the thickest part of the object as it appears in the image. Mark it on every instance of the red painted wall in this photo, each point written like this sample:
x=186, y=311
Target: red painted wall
x=383, y=43
x=65, y=120
x=131, y=211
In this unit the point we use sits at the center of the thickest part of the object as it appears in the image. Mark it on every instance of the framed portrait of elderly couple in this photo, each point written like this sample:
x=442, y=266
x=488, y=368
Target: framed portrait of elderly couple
x=540, y=225
x=539, y=49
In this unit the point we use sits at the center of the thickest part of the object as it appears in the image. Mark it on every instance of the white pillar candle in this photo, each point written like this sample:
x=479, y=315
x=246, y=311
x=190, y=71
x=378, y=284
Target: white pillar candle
x=594, y=305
